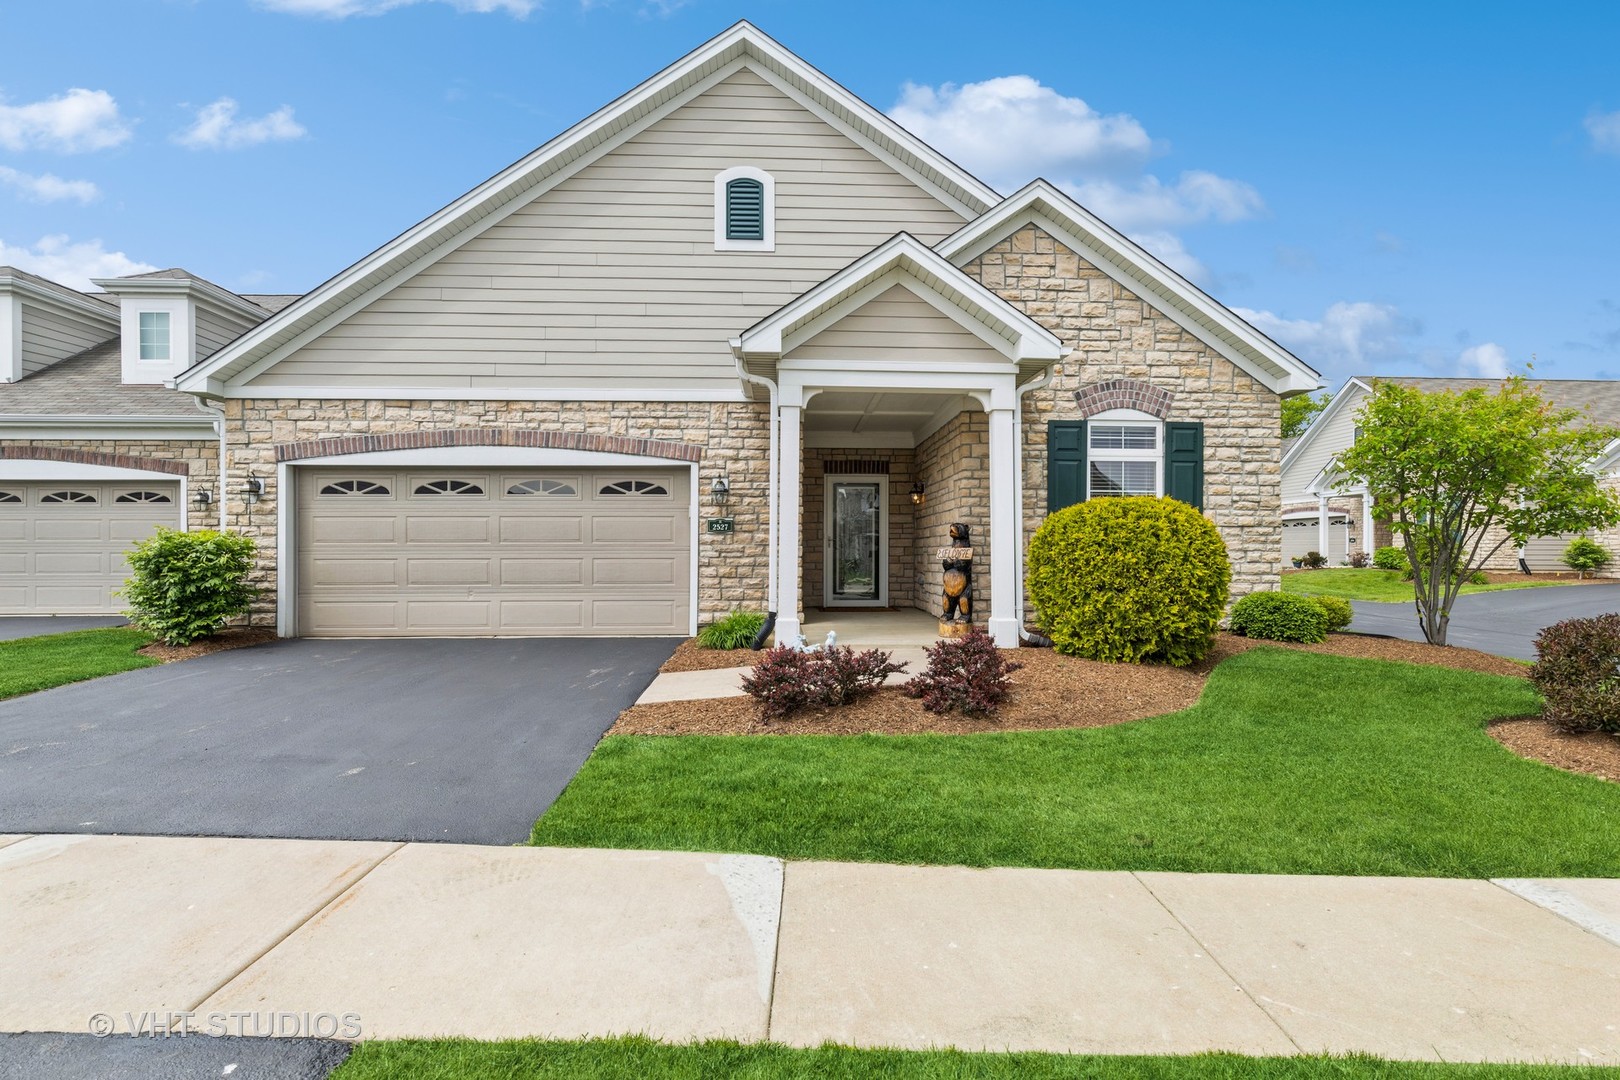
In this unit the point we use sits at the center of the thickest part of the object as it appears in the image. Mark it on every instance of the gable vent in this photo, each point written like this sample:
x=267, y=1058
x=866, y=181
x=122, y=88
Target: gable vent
x=745, y=209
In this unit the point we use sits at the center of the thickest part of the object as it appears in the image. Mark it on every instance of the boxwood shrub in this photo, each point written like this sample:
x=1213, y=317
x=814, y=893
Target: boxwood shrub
x=1277, y=616
x=1337, y=609
x=1129, y=580
x=186, y=585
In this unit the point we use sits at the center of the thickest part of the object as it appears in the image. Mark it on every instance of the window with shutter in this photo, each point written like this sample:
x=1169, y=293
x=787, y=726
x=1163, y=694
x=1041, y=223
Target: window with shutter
x=745, y=209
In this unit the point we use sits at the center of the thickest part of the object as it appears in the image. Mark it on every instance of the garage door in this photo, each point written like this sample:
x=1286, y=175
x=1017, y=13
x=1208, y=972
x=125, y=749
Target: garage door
x=470, y=552
x=62, y=542
x=1300, y=536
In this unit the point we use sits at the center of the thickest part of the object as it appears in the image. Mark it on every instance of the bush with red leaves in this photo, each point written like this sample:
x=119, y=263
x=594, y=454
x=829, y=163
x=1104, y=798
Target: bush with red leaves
x=787, y=680
x=966, y=673
x=1577, y=670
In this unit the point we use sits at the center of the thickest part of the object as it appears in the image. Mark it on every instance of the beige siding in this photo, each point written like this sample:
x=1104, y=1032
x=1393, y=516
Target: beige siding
x=611, y=278
x=1336, y=436
x=49, y=336
x=216, y=327
x=898, y=325
x=1545, y=554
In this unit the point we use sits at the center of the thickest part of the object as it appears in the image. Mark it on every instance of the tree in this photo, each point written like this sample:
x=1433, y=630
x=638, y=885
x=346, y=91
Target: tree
x=1461, y=474
x=1299, y=411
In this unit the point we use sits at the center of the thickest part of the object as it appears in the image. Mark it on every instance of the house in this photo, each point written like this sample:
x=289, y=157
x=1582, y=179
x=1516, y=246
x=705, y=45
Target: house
x=735, y=340
x=1318, y=514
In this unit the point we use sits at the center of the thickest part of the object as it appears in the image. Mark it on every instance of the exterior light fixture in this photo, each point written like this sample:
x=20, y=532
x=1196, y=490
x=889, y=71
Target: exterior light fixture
x=918, y=494
x=720, y=490
x=203, y=497
x=254, y=489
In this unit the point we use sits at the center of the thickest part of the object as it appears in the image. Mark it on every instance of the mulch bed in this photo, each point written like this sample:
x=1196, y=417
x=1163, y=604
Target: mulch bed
x=232, y=637
x=688, y=657
x=1596, y=753
x=1050, y=691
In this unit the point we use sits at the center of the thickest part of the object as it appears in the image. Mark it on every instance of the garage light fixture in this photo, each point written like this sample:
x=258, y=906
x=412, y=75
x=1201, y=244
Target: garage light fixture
x=919, y=494
x=203, y=497
x=720, y=490
x=254, y=489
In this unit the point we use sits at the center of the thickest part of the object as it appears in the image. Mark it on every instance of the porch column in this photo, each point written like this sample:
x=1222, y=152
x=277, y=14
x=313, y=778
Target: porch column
x=790, y=468
x=1004, y=553
x=1367, y=522
x=1322, y=525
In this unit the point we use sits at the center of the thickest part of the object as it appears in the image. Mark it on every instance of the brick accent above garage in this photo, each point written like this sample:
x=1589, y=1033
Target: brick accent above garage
x=548, y=440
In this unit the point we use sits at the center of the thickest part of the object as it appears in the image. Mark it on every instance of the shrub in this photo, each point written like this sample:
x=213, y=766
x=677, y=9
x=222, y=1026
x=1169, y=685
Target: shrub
x=1313, y=560
x=1577, y=670
x=1478, y=578
x=1277, y=616
x=966, y=673
x=185, y=585
x=734, y=631
x=1337, y=609
x=1129, y=580
x=788, y=680
x=1359, y=559
x=1585, y=556
x=1390, y=558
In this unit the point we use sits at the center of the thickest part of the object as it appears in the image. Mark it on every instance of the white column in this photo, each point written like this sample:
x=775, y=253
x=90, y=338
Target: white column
x=1366, y=522
x=1322, y=527
x=790, y=468
x=1004, y=553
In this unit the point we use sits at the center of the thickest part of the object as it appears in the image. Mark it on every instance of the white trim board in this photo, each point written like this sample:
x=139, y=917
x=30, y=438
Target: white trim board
x=472, y=393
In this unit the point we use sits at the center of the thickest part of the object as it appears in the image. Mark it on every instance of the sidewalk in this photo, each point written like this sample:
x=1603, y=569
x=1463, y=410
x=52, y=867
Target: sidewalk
x=425, y=940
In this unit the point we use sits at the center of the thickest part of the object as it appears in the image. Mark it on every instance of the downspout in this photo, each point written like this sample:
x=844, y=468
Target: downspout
x=771, y=495
x=219, y=426
x=1040, y=382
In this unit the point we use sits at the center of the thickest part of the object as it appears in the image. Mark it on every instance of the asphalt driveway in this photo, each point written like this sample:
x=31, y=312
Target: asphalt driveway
x=464, y=741
x=13, y=627
x=1505, y=623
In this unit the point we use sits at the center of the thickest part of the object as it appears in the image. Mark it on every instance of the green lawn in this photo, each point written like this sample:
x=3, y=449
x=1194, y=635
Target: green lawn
x=634, y=1058
x=1383, y=586
x=1292, y=762
x=39, y=663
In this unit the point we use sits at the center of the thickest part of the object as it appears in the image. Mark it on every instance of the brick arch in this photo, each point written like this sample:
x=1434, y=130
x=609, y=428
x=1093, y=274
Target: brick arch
x=1123, y=394
x=526, y=437
x=93, y=457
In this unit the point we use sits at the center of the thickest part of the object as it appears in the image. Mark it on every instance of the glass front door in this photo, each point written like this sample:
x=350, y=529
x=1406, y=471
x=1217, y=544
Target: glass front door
x=855, y=539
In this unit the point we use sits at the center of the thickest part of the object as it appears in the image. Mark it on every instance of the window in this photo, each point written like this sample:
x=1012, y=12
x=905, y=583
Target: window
x=154, y=335
x=633, y=487
x=354, y=487
x=143, y=497
x=744, y=210
x=79, y=498
x=9, y=497
x=542, y=487
x=1124, y=455
x=448, y=487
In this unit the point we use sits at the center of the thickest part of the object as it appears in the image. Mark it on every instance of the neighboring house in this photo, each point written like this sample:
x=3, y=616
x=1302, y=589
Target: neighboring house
x=1321, y=515
x=735, y=340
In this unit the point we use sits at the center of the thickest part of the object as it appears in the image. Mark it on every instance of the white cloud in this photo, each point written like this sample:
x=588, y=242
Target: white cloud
x=72, y=264
x=1173, y=253
x=1605, y=131
x=70, y=123
x=217, y=128
x=47, y=187
x=1487, y=361
x=342, y=9
x=1150, y=203
x=1350, y=335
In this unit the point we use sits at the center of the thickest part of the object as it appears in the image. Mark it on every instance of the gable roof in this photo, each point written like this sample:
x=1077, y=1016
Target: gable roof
x=178, y=282
x=904, y=260
x=1042, y=203
x=54, y=294
x=742, y=45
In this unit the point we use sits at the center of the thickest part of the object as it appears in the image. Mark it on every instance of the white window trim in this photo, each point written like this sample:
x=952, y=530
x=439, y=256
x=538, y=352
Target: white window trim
x=168, y=334
x=721, y=179
x=1133, y=417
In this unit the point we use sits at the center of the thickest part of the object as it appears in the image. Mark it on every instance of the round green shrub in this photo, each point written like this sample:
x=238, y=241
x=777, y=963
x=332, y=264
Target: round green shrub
x=186, y=585
x=1585, y=556
x=1390, y=558
x=1129, y=580
x=1277, y=616
x=1337, y=609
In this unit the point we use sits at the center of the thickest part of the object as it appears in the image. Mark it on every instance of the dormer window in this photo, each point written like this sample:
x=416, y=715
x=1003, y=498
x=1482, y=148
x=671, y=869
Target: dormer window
x=744, y=210
x=154, y=330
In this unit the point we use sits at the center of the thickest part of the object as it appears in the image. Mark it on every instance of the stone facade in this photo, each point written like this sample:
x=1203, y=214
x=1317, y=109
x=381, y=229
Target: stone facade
x=734, y=437
x=1113, y=334
x=198, y=457
x=954, y=465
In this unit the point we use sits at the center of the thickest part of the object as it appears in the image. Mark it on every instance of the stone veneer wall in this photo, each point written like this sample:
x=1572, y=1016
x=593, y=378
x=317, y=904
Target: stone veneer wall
x=954, y=465
x=200, y=456
x=900, y=526
x=732, y=567
x=1113, y=334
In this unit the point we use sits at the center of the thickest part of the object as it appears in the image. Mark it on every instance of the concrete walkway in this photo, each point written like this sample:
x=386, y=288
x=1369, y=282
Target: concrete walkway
x=402, y=940
x=727, y=682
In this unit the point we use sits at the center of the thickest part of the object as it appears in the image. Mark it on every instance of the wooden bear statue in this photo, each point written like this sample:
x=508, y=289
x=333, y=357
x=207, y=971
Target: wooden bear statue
x=958, y=596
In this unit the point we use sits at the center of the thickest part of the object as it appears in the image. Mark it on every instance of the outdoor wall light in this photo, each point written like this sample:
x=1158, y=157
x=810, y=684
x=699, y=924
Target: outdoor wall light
x=720, y=490
x=203, y=497
x=254, y=488
x=918, y=494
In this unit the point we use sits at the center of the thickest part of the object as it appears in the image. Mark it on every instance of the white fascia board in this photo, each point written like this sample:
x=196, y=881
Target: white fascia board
x=476, y=393
x=1320, y=423
x=65, y=301
x=593, y=136
x=1607, y=459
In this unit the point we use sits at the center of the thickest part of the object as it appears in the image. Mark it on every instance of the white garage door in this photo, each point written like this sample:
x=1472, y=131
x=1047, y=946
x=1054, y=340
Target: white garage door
x=493, y=552
x=62, y=542
x=1300, y=536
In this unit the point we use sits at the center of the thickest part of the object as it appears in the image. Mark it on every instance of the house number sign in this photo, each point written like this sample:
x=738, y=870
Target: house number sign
x=722, y=525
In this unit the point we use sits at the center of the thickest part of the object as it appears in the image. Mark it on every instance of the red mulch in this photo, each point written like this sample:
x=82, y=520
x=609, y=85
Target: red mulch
x=232, y=637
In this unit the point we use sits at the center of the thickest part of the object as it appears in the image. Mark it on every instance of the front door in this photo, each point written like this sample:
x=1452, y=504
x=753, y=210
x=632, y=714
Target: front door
x=857, y=520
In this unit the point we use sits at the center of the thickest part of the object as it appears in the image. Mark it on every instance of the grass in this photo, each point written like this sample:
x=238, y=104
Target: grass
x=634, y=1058
x=1381, y=586
x=1291, y=762
x=39, y=663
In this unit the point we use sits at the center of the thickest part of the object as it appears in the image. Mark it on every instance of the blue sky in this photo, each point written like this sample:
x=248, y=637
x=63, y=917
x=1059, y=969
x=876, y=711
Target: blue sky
x=1386, y=188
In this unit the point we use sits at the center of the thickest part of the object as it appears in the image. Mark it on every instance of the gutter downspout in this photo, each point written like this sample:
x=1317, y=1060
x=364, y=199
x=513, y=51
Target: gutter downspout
x=771, y=494
x=219, y=426
x=1040, y=382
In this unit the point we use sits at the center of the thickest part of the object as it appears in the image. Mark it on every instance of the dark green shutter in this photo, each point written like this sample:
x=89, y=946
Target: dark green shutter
x=745, y=209
x=1184, y=463
x=1065, y=463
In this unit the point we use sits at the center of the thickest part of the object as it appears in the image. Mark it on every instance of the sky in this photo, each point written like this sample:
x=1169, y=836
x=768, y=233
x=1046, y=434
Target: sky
x=1420, y=189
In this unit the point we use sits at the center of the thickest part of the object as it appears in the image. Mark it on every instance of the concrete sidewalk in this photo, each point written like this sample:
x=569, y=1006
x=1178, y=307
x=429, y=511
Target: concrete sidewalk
x=487, y=942
x=727, y=682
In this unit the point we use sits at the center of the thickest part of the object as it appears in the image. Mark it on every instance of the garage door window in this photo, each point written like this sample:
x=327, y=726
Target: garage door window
x=82, y=498
x=143, y=497
x=354, y=487
x=448, y=487
x=9, y=497
x=542, y=487
x=633, y=487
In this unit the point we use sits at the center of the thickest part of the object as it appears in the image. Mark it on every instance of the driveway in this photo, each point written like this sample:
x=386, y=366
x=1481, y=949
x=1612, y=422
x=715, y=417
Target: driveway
x=1505, y=623
x=452, y=740
x=13, y=627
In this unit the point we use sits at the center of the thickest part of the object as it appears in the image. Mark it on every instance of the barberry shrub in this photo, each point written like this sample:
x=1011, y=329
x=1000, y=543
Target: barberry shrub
x=186, y=585
x=1277, y=616
x=966, y=674
x=1577, y=670
x=787, y=680
x=1314, y=560
x=1358, y=559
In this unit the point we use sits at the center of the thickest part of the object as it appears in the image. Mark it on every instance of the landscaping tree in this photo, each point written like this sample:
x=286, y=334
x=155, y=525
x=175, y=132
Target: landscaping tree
x=1460, y=474
x=1298, y=412
x=1585, y=556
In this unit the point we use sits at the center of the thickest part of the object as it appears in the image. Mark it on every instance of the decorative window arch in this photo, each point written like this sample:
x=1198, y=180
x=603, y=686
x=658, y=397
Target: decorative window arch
x=448, y=487
x=744, y=210
x=142, y=497
x=542, y=487
x=76, y=498
x=10, y=497
x=355, y=487
x=1124, y=454
x=633, y=487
